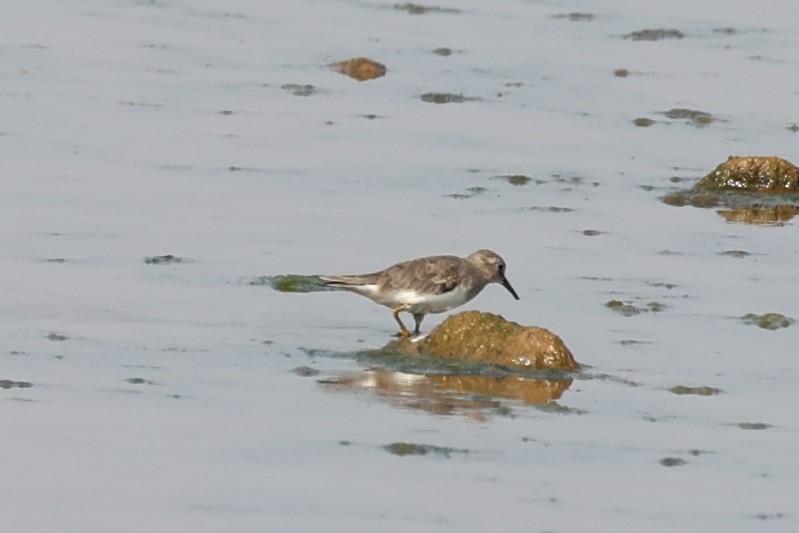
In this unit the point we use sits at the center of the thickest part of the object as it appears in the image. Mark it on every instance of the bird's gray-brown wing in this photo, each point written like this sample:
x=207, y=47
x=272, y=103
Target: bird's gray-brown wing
x=430, y=275
x=350, y=281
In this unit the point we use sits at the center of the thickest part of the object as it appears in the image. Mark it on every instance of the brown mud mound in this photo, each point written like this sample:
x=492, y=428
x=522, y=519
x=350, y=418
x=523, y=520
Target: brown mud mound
x=489, y=338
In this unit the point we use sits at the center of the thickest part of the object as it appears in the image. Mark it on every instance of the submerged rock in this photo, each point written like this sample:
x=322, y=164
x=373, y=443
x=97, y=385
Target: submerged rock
x=489, y=338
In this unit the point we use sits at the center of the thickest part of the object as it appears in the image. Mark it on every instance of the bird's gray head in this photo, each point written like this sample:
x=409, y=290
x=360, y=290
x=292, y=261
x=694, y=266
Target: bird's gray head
x=493, y=267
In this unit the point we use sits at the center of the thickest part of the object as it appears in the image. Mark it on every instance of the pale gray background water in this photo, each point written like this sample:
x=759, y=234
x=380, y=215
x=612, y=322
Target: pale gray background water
x=117, y=145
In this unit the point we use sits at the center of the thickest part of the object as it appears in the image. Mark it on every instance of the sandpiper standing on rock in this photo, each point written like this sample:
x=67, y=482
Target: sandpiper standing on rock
x=426, y=285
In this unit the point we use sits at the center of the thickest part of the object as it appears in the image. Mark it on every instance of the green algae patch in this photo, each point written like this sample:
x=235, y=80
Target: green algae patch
x=305, y=371
x=290, y=283
x=657, y=34
x=471, y=192
x=417, y=9
x=489, y=338
x=515, y=179
x=448, y=98
x=140, y=381
x=673, y=461
x=769, y=321
x=757, y=426
x=737, y=254
x=11, y=384
x=403, y=449
x=628, y=309
x=575, y=17
x=682, y=390
x=299, y=89
x=167, y=259
x=697, y=118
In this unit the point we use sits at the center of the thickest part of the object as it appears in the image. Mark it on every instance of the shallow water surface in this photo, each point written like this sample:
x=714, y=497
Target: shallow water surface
x=175, y=394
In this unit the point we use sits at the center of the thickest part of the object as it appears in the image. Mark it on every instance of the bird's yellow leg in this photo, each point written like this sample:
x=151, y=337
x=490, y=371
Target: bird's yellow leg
x=403, y=330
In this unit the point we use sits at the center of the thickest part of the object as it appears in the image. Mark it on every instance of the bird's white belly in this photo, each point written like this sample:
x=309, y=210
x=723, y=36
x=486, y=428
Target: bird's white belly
x=415, y=302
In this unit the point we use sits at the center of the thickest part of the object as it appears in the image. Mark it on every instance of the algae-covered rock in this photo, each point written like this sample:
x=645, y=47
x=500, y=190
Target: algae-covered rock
x=753, y=174
x=754, y=190
x=489, y=338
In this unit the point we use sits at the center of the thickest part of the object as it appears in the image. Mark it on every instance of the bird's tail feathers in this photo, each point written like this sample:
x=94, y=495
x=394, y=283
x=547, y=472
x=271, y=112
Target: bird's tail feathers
x=343, y=281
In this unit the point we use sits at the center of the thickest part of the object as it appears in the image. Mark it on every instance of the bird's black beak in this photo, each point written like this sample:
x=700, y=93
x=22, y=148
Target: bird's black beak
x=506, y=284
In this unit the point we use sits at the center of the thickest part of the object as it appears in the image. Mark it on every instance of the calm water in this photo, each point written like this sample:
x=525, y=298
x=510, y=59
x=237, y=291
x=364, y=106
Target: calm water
x=164, y=396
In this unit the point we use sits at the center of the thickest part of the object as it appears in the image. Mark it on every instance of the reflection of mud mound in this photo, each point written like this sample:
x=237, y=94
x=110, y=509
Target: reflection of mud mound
x=532, y=391
x=774, y=214
x=445, y=394
x=755, y=190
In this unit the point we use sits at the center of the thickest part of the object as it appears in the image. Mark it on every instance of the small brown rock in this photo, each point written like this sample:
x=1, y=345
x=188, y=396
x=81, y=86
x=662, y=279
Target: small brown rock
x=360, y=68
